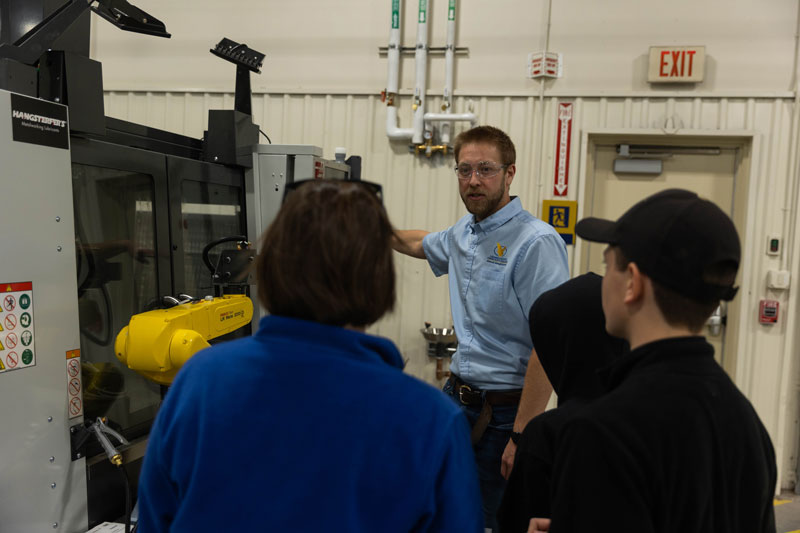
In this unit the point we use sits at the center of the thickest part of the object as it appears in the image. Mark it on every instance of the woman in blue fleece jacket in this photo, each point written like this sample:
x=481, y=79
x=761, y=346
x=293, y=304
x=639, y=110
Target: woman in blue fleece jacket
x=311, y=424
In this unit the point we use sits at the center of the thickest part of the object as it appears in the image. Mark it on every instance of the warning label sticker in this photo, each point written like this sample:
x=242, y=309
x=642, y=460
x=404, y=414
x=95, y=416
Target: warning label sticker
x=74, y=385
x=17, y=334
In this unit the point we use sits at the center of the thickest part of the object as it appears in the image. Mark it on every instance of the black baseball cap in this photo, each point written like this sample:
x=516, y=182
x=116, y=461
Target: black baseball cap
x=673, y=236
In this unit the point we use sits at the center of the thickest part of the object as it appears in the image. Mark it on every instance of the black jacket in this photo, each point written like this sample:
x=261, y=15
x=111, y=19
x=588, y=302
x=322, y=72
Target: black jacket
x=673, y=447
x=568, y=331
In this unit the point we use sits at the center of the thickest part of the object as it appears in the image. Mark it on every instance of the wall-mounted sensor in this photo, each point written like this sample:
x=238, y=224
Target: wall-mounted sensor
x=773, y=245
x=778, y=279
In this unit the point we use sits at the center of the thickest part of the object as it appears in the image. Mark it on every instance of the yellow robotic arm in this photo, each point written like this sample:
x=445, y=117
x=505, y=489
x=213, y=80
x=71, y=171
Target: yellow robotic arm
x=157, y=343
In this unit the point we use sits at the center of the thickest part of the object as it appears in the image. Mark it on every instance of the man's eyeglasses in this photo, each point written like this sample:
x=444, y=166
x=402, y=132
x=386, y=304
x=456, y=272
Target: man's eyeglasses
x=484, y=170
x=374, y=188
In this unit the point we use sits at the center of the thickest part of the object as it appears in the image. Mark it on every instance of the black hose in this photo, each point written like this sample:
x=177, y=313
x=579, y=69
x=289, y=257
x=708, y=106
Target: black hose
x=128, y=502
x=209, y=246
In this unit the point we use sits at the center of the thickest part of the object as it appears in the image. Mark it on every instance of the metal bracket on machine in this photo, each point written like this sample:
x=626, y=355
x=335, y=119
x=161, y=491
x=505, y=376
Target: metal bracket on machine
x=230, y=131
x=29, y=48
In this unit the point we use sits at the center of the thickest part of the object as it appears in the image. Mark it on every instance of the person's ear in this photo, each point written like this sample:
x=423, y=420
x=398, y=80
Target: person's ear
x=634, y=284
x=511, y=171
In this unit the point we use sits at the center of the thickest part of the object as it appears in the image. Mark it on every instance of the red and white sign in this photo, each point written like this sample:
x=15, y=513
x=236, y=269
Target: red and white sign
x=75, y=407
x=73, y=367
x=74, y=384
x=16, y=324
x=768, y=311
x=563, y=145
x=676, y=64
x=544, y=65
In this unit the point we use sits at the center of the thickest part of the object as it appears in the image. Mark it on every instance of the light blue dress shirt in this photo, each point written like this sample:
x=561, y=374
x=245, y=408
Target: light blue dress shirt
x=498, y=267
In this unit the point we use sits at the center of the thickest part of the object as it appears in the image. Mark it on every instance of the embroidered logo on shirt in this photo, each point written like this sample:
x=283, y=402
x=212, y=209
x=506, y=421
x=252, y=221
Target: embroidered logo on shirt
x=498, y=255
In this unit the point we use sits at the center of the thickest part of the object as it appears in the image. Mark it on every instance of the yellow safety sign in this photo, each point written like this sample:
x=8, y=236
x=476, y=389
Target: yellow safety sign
x=561, y=214
x=1, y=346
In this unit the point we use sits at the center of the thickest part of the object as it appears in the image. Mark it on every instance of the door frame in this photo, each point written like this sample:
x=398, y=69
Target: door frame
x=745, y=203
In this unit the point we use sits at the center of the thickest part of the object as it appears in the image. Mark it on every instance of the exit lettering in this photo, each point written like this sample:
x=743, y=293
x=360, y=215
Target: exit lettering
x=682, y=64
x=679, y=61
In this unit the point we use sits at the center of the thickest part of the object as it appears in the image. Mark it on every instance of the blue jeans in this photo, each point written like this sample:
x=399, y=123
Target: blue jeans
x=489, y=452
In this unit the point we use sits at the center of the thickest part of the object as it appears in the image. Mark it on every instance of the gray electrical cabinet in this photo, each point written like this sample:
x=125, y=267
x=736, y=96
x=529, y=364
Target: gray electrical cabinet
x=274, y=166
x=42, y=488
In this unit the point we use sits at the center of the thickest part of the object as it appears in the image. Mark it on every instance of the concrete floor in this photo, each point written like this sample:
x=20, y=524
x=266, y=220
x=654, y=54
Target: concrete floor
x=787, y=513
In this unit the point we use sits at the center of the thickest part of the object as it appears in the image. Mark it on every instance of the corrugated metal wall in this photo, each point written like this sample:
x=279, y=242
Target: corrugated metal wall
x=421, y=193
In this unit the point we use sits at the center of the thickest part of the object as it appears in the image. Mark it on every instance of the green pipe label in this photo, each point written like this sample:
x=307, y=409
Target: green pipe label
x=395, y=14
x=451, y=10
x=423, y=11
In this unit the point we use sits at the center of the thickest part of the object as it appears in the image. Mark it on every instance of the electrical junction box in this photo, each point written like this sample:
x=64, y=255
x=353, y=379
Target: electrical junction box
x=768, y=311
x=773, y=245
x=778, y=279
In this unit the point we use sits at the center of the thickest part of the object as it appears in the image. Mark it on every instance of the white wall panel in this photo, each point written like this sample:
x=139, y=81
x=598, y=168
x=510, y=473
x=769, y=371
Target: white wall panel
x=422, y=193
x=320, y=46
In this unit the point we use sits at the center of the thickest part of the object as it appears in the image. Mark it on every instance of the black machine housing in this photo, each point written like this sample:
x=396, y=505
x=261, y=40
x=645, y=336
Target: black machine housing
x=146, y=203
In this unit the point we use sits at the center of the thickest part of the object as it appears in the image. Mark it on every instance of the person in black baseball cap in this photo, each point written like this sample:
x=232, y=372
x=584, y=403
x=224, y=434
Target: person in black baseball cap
x=673, y=445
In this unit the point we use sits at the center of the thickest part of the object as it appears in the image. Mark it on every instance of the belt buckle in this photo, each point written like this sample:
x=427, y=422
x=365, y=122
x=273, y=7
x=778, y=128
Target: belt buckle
x=461, y=392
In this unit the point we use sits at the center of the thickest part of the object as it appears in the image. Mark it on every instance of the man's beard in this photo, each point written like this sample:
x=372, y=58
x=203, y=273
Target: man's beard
x=486, y=205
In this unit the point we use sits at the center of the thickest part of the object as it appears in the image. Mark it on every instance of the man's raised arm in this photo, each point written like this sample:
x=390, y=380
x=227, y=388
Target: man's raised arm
x=409, y=242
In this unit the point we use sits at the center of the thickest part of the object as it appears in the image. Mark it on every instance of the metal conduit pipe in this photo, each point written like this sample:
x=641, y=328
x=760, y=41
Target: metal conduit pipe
x=540, y=146
x=449, y=61
x=790, y=261
x=450, y=117
x=392, y=78
x=421, y=64
x=449, y=64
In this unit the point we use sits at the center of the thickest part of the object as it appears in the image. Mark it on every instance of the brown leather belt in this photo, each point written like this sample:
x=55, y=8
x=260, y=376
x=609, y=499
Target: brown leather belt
x=475, y=397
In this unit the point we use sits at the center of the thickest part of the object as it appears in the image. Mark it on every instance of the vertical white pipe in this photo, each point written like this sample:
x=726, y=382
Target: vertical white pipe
x=421, y=63
x=393, y=53
x=789, y=261
x=540, y=148
x=449, y=64
x=392, y=78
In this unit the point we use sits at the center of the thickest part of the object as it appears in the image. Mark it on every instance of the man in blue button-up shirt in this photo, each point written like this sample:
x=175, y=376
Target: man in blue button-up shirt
x=500, y=258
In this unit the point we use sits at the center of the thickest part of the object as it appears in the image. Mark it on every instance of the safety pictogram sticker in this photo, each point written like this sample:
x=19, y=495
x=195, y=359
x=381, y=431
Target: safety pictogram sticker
x=74, y=384
x=73, y=367
x=75, y=407
x=16, y=324
x=11, y=341
x=74, y=387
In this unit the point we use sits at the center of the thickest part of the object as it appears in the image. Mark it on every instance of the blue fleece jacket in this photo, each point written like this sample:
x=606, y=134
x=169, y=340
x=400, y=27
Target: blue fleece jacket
x=307, y=427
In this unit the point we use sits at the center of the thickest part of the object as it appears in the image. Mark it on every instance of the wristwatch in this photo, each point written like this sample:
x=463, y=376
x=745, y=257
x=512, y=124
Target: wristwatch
x=515, y=435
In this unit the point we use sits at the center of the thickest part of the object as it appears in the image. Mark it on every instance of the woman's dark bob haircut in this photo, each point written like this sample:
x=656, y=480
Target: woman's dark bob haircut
x=327, y=257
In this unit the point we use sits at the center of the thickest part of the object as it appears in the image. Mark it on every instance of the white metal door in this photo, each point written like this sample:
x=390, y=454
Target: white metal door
x=711, y=172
